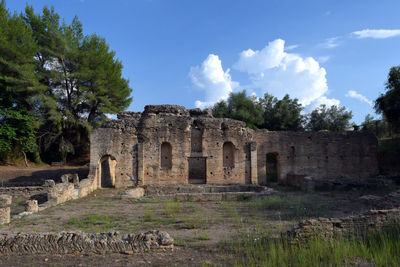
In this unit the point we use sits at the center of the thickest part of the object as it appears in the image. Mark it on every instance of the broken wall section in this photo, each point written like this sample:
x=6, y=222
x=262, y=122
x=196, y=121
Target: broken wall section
x=320, y=155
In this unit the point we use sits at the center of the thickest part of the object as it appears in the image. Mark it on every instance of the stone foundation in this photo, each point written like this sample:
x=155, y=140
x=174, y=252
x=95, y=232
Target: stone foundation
x=351, y=226
x=5, y=202
x=79, y=243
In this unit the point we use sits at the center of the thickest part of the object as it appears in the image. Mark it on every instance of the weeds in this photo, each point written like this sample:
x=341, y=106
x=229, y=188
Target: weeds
x=94, y=222
x=172, y=208
x=380, y=248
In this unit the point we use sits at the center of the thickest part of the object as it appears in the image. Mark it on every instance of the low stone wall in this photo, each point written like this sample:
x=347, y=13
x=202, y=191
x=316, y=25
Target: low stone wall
x=351, y=226
x=85, y=187
x=60, y=193
x=77, y=243
x=157, y=190
x=24, y=191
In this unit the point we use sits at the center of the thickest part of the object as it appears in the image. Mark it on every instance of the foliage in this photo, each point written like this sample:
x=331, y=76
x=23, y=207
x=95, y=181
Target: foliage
x=282, y=115
x=18, y=87
x=378, y=248
x=332, y=119
x=240, y=107
x=56, y=83
x=379, y=128
x=388, y=104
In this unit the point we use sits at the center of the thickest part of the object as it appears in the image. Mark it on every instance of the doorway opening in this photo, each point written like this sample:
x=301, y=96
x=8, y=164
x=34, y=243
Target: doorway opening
x=197, y=170
x=272, y=166
x=107, y=171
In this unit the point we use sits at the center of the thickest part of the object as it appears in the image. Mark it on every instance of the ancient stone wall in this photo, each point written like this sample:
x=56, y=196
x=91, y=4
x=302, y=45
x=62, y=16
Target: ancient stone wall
x=23, y=191
x=79, y=243
x=169, y=144
x=321, y=155
x=351, y=226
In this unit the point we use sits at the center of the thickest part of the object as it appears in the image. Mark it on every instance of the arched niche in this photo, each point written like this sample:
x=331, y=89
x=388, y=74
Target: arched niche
x=166, y=156
x=228, y=153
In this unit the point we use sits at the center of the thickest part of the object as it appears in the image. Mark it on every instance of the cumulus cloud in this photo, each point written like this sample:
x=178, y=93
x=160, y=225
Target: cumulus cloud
x=211, y=77
x=358, y=96
x=278, y=72
x=376, y=34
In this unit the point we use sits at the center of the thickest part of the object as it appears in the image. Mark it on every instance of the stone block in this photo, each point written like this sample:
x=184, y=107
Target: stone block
x=5, y=215
x=135, y=193
x=49, y=183
x=5, y=200
x=31, y=205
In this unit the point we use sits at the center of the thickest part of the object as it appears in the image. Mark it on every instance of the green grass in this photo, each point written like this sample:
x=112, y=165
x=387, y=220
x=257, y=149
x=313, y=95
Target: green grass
x=380, y=248
x=203, y=236
x=293, y=207
x=172, y=208
x=94, y=222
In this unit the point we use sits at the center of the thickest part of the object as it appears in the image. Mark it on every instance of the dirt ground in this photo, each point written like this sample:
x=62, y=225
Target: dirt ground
x=36, y=175
x=198, y=228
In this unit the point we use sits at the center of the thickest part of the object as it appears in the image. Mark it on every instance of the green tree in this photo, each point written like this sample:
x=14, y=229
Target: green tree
x=332, y=119
x=19, y=89
x=282, y=115
x=388, y=104
x=240, y=107
x=83, y=82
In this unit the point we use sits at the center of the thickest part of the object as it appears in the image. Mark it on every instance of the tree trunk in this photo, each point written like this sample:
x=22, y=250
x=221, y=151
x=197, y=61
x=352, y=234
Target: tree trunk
x=26, y=160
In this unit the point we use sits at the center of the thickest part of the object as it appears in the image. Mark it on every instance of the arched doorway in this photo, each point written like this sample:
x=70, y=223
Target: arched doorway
x=107, y=171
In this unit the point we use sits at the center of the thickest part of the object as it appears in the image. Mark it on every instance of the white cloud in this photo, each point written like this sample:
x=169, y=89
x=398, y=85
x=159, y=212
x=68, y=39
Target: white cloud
x=323, y=59
x=330, y=42
x=211, y=78
x=291, y=47
x=358, y=96
x=376, y=34
x=279, y=73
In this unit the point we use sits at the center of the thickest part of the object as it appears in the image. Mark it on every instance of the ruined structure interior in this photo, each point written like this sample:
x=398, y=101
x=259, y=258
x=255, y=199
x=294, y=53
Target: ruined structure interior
x=168, y=144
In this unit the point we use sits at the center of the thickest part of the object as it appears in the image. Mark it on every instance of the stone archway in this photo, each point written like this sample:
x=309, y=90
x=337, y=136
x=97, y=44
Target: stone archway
x=107, y=166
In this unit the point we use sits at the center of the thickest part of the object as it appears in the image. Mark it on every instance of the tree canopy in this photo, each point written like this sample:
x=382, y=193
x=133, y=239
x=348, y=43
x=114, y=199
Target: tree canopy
x=332, y=119
x=56, y=83
x=388, y=104
x=282, y=115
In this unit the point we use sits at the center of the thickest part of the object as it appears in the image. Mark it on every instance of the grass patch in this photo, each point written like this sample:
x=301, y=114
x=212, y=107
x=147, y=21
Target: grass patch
x=380, y=248
x=197, y=222
x=172, y=208
x=203, y=236
x=293, y=207
x=94, y=222
x=149, y=215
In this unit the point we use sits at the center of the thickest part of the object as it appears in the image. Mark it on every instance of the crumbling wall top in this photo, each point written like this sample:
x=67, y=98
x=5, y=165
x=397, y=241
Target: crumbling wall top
x=172, y=109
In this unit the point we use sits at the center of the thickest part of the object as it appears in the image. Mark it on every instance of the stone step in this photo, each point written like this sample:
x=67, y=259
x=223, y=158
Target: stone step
x=160, y=190
x=217, y=196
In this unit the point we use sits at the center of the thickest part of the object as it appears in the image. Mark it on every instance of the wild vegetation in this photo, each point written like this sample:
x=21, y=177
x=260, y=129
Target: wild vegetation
x=56, y=84
x=248, y=231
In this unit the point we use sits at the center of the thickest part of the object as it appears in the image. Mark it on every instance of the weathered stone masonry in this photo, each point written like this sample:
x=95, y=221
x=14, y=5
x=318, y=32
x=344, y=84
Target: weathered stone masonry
x=172, y=145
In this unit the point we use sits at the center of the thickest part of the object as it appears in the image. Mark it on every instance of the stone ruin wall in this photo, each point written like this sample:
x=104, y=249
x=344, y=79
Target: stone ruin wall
x=82, y=243
x=347, y=227
x=321, y=155
x=134, y=142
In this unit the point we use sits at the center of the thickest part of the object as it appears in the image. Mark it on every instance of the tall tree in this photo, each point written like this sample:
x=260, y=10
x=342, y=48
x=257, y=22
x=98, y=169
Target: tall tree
x=240, y=107
x=388, y=104
x=282, y=115
x=19, y=89
x=83, y=82
x=332, y=119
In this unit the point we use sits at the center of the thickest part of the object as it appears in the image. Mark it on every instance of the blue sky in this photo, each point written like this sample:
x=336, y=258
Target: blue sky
x=194, y=53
